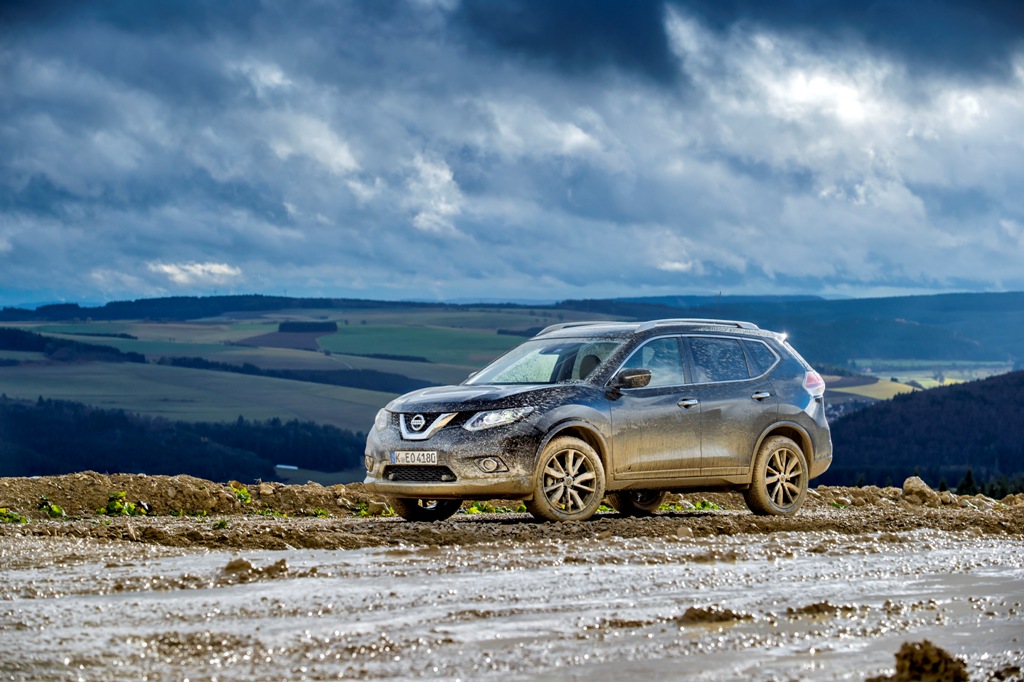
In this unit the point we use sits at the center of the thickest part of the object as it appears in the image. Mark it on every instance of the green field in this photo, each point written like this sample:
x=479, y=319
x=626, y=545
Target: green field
x=193, y=395
x=470, y=348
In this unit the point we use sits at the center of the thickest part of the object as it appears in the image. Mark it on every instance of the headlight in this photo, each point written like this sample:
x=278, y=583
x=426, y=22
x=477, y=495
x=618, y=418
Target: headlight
x=382, y=420
x=487, y=420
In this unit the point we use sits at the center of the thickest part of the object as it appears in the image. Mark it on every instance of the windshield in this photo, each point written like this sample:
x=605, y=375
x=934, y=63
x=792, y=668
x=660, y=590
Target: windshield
x=547, y=361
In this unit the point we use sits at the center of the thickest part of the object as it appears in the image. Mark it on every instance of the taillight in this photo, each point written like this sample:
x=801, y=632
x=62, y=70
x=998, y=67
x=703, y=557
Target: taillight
x=814, y=384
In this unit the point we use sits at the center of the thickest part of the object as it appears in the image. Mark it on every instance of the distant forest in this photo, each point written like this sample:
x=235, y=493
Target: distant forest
x=62, y=350
x=191, y=308
x=940, y=435
x=50, y=437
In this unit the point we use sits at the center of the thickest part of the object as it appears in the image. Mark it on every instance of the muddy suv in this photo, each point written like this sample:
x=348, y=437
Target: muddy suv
x=623, y=412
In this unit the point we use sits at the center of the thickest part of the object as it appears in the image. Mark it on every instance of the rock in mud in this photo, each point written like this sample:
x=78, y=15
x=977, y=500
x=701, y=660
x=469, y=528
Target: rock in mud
x=917, y=491
x=925, y=662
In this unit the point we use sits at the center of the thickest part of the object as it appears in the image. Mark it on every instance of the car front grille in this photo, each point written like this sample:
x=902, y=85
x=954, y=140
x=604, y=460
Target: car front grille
x=420, y=474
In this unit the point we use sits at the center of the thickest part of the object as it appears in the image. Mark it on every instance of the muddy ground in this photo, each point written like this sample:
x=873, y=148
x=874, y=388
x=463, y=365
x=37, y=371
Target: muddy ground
x=190, y=512
x=234, y=582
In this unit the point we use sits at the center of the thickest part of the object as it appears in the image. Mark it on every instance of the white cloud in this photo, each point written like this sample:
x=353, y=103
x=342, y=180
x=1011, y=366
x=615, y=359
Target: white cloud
x=193, y=274
x=265, y=77
x=300, y=134
x=433, y=195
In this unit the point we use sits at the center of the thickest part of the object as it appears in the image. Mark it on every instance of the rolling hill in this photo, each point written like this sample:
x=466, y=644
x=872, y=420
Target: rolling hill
x=937, y=434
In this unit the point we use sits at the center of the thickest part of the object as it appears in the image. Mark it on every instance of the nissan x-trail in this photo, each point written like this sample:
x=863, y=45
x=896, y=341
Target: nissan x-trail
x=622, y=412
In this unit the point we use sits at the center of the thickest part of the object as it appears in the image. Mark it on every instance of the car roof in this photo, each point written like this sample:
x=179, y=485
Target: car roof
x=608, y=328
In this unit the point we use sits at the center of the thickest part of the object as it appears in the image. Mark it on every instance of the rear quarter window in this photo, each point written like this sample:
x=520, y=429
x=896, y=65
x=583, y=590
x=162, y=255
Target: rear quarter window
x=762, y=357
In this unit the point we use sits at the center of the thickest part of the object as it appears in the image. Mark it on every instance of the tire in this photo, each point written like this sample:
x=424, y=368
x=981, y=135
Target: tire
x=412, y=509
x=569, y=483
x=778, y=486
x=637, y=503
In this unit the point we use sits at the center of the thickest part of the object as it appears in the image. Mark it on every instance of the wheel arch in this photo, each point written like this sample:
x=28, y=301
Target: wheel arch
x=794, y=432
x=585, y=431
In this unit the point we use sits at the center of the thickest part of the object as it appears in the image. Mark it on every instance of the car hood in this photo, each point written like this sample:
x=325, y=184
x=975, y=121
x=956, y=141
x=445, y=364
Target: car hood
x=482, y=397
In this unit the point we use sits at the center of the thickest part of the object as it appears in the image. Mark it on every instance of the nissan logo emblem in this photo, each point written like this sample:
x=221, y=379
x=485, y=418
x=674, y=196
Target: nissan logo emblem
x=418, y=422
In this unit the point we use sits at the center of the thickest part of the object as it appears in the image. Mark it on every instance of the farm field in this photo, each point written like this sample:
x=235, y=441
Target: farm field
x=193, y=395
x=932, y=373
x=455, y=341
x=470, y=348
x=880, y=389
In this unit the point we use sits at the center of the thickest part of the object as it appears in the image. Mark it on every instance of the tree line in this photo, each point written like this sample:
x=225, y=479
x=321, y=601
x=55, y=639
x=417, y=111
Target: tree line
x=63, y=350
x=369, y=379
x=53, y=437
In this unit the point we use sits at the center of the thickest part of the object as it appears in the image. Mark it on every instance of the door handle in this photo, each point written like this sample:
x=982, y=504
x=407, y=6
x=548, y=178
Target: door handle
x=761, y=395
x=688, y=402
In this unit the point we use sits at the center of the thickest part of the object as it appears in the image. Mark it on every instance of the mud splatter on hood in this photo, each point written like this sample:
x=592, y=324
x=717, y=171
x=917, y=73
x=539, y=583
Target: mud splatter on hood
x=483, y=397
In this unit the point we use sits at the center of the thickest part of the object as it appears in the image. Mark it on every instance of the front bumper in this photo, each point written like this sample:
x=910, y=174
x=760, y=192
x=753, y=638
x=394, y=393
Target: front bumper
x=463, y=462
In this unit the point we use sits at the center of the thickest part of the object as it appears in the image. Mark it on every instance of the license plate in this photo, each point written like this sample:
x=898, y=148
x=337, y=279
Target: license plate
x=414, y=457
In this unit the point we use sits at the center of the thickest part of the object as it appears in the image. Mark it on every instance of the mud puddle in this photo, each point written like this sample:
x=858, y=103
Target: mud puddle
x=801, y=605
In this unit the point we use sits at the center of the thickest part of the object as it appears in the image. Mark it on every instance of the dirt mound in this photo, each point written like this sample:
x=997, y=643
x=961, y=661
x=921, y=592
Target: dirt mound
x=83, y=494
x=176, y=511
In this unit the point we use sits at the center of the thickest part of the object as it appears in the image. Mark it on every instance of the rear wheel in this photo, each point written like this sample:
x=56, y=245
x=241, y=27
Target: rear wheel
x=412, y=509
x=779, y=482
x=570, y=481
x=637, y=503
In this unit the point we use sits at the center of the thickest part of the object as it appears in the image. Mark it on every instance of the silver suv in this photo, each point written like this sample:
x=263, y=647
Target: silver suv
x=627, y=412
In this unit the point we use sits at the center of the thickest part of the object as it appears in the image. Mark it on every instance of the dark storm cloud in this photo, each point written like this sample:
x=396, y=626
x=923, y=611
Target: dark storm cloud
x=430, y=148
x=197, y=16
x=971, y=38
x=577, y=35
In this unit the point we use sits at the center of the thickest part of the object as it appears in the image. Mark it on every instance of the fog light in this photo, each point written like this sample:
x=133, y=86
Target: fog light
x=491, y=465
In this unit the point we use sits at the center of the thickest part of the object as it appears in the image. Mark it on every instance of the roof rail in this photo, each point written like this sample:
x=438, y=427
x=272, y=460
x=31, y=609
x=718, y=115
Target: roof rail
x=696, y=320
x=565, y=325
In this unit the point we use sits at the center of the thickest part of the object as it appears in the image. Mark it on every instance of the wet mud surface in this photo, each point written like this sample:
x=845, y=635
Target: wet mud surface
x=720, y=594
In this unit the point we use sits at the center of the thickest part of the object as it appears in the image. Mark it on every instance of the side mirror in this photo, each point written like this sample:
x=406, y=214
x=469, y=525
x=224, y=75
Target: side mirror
x=631, y=378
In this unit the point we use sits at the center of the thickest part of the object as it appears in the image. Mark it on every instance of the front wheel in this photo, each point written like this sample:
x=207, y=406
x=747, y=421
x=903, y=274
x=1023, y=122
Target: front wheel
x=638, y=503
x=778, y=486
x=412, y=509
x=570, y=481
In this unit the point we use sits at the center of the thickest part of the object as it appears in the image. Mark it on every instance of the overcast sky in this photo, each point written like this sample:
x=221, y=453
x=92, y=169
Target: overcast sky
x=519, y=149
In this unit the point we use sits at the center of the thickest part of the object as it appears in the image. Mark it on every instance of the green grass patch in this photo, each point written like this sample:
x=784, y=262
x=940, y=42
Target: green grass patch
x=52, y=510
x=11, y=516
x=241, y=492
x=118, y=505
